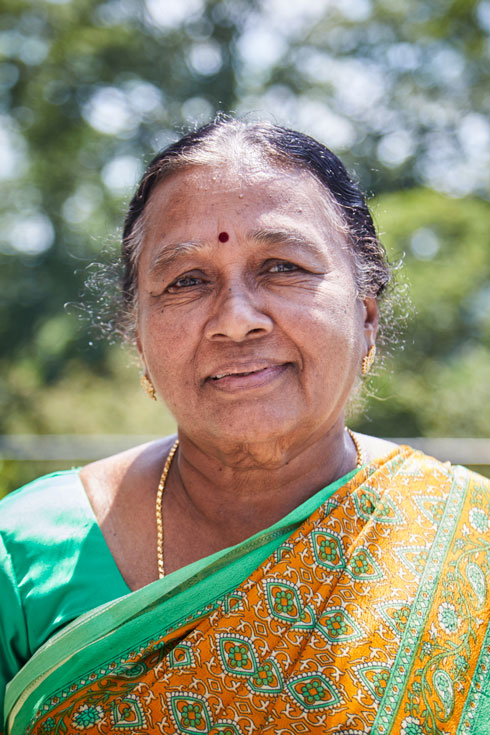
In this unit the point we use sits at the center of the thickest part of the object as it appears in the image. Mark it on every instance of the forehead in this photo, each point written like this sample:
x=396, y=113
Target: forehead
x=201, y=195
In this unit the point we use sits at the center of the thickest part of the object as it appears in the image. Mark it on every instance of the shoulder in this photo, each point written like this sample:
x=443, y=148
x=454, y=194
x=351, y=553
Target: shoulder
x=43, y=522
x=139, y=457
x=471, y=479
x=48, y=495
x=38, y=524
x=416, y=467
x=417, y=462
x=375, y=448
x=127, y=473
x=429, y=473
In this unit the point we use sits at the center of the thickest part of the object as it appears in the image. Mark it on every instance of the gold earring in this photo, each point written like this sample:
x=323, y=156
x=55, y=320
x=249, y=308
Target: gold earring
x=147, y=386
x=367, y=360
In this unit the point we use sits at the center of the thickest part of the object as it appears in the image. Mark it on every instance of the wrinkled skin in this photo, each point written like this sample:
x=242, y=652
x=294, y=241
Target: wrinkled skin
x=277, y=300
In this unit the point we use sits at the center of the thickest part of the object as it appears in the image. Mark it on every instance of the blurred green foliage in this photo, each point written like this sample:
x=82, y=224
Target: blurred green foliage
x=438, y=380
x=91, y=89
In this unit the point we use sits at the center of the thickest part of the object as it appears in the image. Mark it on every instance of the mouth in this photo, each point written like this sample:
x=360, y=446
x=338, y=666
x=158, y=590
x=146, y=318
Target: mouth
x=237, y=374
x=246, y=376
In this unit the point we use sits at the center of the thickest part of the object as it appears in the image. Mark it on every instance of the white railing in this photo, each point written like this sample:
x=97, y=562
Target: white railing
x=84, y=447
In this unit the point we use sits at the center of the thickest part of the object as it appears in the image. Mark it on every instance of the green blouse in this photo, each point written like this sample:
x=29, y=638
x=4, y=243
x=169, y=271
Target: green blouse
x=55, y=564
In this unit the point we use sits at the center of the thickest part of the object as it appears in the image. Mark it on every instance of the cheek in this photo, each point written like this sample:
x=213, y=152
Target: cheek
x=331, y=338
x=169, y=350
x=329, y=320
x=161, y=330
x=159, y=345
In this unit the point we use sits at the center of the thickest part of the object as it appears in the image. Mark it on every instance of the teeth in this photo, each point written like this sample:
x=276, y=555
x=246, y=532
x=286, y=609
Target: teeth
x=225, y=375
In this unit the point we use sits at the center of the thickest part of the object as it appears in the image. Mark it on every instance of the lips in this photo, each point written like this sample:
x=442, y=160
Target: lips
x=242, y=369
x=246, y=375
x=237, y=374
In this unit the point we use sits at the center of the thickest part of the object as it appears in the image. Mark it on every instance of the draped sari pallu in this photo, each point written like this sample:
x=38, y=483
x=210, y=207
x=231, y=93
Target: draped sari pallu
x=371, y=617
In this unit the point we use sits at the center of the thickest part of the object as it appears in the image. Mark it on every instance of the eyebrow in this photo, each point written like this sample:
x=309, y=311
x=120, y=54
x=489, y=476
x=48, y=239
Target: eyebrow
x=171, y=252
x=289, y=238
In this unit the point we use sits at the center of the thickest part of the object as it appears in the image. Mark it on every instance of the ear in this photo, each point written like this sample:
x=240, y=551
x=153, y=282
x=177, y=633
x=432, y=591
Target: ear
x=371, y=316
x=139, y=347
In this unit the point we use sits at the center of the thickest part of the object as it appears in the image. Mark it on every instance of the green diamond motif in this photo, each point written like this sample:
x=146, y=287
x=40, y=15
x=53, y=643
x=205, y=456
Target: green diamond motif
x=370, y=505
x=396, y=614
x=127, y=713
x=190, y=714
x=337, y=626
x=282, y=552
x=307, y=620
x=387, y=512
x=225, y=728
x=413, y=558
x=180, y=656
x=375, y=679
x=233, y=601
x=364, y=567
x=431, y=507
x=365, y=501
x=314, y=692
x=237, y=655
x=329, y=506
x=267, y=679
x=284, y=602
x=328, y=550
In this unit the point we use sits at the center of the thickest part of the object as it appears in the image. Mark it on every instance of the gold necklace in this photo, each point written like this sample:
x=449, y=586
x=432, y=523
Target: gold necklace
x=360, y=459
x=161, y=488
x=163, y=480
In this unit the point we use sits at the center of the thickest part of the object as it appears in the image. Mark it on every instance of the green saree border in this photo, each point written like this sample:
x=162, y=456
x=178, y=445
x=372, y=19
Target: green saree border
x=476, y=711
x=390, y=704
x=96, y=635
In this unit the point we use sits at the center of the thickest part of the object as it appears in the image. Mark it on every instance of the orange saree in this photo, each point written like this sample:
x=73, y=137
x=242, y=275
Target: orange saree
x=371, y=617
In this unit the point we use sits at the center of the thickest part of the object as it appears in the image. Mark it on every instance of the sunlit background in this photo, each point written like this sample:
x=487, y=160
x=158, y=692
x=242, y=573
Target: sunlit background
x=91, y=90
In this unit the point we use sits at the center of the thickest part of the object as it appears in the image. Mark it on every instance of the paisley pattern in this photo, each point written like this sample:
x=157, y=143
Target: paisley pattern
x=372, y=618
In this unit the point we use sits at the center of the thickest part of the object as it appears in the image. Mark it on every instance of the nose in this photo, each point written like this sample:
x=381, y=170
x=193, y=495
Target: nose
x=238, y=317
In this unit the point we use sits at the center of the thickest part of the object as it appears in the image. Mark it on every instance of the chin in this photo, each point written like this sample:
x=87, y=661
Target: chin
x=256, y=428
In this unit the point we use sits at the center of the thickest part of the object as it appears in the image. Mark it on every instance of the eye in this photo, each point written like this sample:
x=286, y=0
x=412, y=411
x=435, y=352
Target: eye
x=283, y=266
x=186, y=281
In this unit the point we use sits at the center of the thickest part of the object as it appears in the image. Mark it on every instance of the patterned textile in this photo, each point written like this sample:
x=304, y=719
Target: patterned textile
x=371, y=618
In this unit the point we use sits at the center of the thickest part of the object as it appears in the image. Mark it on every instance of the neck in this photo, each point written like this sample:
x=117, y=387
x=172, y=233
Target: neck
x=243, y=491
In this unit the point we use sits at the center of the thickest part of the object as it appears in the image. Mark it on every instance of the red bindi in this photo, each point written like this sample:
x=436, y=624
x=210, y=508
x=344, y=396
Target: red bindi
x=223, y=237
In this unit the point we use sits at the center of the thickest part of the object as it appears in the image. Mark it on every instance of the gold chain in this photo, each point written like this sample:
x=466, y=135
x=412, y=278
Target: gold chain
x=163, y=480
x=161, y=488
x=360, y=454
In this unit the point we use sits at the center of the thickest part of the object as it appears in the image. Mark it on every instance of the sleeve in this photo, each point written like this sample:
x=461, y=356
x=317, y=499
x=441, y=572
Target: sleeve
x=13, y=631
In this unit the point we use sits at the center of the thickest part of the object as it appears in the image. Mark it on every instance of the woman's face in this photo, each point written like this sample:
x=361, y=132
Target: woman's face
x=248, y=321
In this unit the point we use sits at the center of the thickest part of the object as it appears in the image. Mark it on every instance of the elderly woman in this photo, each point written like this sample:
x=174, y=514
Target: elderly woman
x=268, y=571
